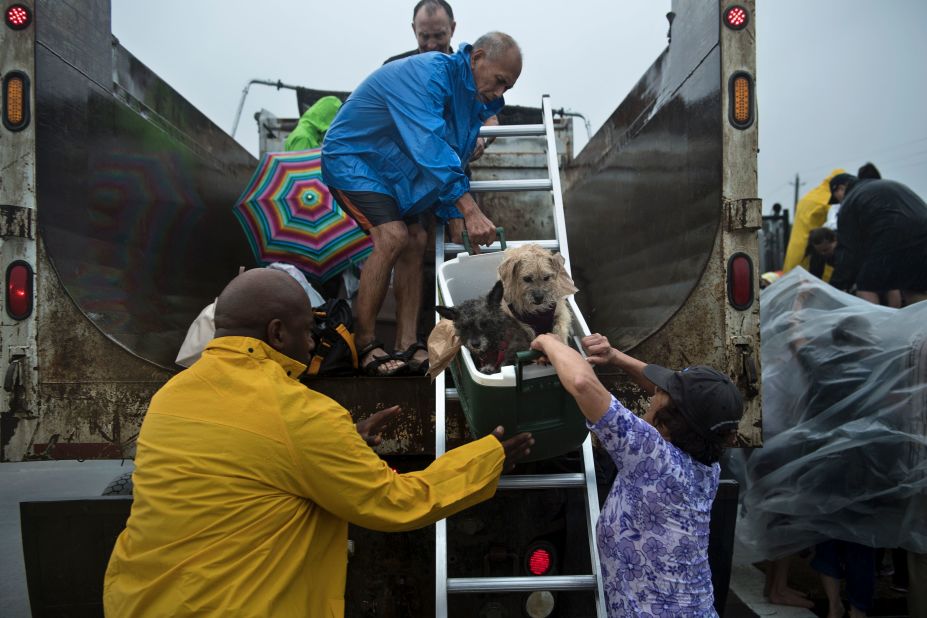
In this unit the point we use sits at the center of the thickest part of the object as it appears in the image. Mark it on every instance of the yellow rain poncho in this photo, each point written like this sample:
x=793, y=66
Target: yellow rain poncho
x=811, y=212
x=245, y=483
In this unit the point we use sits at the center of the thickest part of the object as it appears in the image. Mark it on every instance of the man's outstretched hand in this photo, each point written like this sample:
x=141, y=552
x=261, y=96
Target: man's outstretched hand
x=371, y=427
x=516, y=448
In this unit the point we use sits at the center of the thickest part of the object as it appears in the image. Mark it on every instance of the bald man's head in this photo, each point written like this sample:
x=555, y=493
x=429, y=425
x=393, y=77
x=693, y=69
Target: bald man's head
x=496, y=63
x=268, y=305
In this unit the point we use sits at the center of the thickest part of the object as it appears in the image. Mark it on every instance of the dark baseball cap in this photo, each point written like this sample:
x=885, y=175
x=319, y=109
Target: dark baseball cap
x=704, y=396
x=836, y=181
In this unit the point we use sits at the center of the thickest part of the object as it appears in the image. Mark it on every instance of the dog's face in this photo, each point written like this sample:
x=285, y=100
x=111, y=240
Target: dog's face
x=479, y=322
x=530, y=276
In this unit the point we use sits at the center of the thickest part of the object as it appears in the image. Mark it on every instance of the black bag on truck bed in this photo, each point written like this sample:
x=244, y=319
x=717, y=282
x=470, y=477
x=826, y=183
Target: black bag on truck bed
x=335, y=353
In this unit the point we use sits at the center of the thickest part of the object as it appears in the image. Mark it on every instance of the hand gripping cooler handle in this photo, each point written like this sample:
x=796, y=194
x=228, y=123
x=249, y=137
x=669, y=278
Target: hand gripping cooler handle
x=521, y=359
x=500, y=232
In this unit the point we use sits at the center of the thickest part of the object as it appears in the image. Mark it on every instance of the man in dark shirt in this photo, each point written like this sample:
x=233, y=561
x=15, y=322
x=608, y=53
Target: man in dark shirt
x=882, y=239
x=433, y=24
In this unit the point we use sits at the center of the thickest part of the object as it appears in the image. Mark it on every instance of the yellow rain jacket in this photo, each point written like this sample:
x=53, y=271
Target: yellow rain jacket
x=245, y=482
x=811, y=212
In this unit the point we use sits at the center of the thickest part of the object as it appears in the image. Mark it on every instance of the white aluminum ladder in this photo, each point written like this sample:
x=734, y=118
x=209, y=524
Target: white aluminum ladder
x=583, y=481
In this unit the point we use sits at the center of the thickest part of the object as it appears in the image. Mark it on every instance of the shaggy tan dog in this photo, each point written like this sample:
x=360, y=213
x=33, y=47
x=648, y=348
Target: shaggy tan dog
x=536, y=286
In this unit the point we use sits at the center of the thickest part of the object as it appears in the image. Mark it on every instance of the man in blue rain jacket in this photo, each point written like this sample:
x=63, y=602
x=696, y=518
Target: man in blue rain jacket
x=397, y=149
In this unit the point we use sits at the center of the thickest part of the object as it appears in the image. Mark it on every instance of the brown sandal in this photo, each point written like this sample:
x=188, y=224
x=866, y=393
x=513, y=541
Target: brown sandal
x=415, y=368
x=372, y=368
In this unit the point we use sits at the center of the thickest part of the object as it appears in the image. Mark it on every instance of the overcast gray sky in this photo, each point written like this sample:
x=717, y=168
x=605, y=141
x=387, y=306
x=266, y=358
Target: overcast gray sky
x=839, y=82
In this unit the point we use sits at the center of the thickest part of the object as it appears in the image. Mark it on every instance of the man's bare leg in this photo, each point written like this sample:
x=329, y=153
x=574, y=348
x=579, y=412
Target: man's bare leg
x=856, y=612
x=893, y=299
x=779, y=591
x=832, y=590
x=389, y=240
x=407, y=286
x=872, y=297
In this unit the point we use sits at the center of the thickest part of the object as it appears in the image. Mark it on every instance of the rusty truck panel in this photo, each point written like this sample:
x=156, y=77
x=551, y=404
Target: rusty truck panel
x=658, y=202
x=133, y=191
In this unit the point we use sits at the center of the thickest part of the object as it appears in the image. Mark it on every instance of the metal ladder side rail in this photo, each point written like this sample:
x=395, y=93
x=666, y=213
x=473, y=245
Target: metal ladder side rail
x=592, y=492
x=440, y=446
x=553, y=169
x=585, y=479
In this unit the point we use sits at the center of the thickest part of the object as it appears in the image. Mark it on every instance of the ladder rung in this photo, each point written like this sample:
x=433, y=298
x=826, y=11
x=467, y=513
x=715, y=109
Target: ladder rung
x=451, y=394
x=542, y=481
x=513, y=130
x=552, y=245
x=530, y=184
x=520, y=584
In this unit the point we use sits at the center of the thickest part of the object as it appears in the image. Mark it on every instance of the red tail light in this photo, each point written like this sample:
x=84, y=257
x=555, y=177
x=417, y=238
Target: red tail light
x=539, y=562
x=18, y=17
x=736, y=17
x=19, y=280
x=740, y=281
x=540, y=558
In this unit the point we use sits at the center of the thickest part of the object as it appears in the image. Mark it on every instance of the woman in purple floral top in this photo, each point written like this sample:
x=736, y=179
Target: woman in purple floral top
x=653, y=530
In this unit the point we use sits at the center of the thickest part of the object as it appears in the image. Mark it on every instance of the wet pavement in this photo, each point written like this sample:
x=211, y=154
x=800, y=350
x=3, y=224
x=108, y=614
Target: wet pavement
x=73, y=479
x=42, y=480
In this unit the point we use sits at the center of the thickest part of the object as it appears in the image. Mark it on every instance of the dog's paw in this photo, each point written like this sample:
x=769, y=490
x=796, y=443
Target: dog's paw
x=489, y=369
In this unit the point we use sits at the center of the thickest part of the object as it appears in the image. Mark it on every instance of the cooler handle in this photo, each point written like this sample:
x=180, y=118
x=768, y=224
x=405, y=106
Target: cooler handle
x=500, y=232
x=521, y=359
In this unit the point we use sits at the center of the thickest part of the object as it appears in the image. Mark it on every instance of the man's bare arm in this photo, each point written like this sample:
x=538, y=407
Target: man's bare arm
x=479, y=227
x=483, y=142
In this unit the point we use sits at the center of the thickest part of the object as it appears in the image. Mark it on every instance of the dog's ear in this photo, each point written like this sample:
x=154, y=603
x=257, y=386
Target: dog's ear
x=494, y=298
x=565, y=285
x=447, y=312
x=508, y=270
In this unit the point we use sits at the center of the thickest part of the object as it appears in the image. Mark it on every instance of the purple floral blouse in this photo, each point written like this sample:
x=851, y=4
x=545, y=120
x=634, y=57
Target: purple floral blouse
x=653, y=530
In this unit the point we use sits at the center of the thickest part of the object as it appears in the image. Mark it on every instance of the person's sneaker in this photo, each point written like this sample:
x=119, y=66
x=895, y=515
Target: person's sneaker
x=886, y=570
x=899, y=588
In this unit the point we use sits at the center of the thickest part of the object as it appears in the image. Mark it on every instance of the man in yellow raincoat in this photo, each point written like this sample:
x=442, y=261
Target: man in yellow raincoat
x=810, y=213
x=246, y=480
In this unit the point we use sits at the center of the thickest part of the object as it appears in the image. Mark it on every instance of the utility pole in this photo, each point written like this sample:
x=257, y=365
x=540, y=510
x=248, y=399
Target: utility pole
x=796, y=191
x=797, y=184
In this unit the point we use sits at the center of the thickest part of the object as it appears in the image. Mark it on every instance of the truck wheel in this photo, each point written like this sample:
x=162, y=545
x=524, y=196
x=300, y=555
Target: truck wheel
x=120, y=486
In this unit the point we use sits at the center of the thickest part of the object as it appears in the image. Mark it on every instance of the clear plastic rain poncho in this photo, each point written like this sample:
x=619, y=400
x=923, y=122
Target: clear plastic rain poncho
x=844, y=423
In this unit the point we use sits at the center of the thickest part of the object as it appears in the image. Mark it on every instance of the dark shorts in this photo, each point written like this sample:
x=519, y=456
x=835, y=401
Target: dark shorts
x=905, y=269
x=371, y=209
x=855, y=562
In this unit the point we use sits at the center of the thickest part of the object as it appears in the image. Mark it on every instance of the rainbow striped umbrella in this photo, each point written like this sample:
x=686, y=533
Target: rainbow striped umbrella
x=289, y=216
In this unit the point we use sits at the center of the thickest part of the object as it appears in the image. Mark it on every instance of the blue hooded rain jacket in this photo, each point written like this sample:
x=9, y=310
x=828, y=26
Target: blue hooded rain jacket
x=408, y=131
